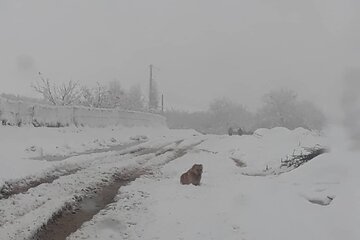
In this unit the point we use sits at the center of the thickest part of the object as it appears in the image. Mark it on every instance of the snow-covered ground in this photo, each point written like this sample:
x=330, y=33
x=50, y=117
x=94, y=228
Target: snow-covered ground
x=28, y=151
x=257, y=199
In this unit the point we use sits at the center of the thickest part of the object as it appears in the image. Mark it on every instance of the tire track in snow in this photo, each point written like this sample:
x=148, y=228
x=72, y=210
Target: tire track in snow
x=14, y=187
x=67, y=222
x=23, y=214
x=23, y=185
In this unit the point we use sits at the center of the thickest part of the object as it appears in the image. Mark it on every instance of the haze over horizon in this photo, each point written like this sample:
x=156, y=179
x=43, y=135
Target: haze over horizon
x=202, y=49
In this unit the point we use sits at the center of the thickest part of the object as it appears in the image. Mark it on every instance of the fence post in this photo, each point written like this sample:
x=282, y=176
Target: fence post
x=73, y=116
x=17, y=114
x=32, y=114
x=1, y=110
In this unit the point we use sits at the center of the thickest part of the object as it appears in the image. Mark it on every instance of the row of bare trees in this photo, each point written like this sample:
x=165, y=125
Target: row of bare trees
x=111, y=95
x=281, y=108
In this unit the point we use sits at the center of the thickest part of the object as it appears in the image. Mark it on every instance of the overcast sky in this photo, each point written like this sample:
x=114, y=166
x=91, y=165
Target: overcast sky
x=202, y=49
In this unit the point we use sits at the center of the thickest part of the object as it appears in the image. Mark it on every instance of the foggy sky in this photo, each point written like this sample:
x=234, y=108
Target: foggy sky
x=202, y=49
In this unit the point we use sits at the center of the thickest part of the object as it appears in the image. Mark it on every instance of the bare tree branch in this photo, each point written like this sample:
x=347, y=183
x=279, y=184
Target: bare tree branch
x=43, y=87
x=65, y=94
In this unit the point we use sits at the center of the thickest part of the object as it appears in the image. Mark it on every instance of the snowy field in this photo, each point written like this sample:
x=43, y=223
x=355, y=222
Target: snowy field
x=246, y=191
x=28, y=151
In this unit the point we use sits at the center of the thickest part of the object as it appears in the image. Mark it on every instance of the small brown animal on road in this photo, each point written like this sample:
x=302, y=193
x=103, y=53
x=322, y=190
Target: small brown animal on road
x=192, y=176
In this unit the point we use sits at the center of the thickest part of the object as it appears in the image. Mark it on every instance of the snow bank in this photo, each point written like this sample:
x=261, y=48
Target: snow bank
x=19, y=113
x=262, y=153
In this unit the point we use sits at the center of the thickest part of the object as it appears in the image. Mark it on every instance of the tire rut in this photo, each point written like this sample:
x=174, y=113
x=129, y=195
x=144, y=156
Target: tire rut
x=71, y=218
x=11, y=188
x=119, y=147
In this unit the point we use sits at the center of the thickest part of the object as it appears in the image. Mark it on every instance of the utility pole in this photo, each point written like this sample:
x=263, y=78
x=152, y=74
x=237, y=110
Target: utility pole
x=150, y=87
x=162, y=103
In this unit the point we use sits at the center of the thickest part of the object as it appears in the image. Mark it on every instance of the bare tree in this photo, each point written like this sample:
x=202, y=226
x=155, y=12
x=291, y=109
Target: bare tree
x=116, y=95
x=135, y=98
x=112, y=96
x=64, y=94
x=45, y=89
x=282, y=109
x=96, y=97
x=68, y=94
x=278, y=109
x=226, y=113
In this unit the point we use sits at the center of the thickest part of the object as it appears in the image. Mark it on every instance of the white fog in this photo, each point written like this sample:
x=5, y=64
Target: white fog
x=179, y=119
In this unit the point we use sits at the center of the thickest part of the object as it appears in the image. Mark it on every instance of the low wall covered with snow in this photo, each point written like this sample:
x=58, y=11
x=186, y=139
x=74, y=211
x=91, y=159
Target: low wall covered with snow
x=19, y=113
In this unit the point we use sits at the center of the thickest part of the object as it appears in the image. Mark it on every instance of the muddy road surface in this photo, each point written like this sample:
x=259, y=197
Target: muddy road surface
x=54, y=207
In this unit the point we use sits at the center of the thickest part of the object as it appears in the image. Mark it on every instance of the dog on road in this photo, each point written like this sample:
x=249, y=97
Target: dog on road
x=192, y=176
